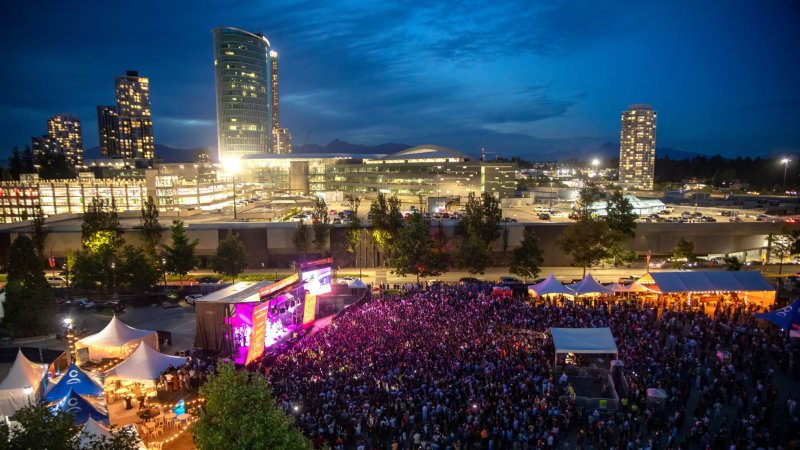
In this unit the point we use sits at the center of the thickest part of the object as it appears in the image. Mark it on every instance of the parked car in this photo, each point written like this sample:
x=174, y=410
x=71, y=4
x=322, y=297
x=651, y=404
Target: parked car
x=735, y=219
x=84, y=303
x=508, y=280
x=192, y=297
x=209, y=280
x=469, y=280
x=544, y=216
x=56, y=281
x=116, y=305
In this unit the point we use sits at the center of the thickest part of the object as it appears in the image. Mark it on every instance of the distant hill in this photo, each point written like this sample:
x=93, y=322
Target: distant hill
x=166, y=153
x=337, y=146
x=608, y=150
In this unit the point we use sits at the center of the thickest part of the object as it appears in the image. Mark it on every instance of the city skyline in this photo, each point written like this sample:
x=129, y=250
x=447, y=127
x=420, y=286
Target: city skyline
x=514, y=78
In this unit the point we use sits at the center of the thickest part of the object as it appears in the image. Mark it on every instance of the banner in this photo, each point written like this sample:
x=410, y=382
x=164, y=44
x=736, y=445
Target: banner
x=786, y=318
x=256, y=349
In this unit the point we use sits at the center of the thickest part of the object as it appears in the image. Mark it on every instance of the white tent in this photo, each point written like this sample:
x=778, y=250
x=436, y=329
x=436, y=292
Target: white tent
x=144, y=366
x=23, y=373
x=91, y=429
x=588, y=286
x=116, y=340
x=584, y=340
x=550, y=286
x=356, y=284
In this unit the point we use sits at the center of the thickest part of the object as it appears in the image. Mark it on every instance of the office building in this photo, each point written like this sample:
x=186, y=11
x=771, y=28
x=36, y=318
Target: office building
x=637, y=147
x=283, y=141
x=65, y=129
x=43, y=145
x=243, y=87
x=108, y=131
x=273, y=89
x=135, y=119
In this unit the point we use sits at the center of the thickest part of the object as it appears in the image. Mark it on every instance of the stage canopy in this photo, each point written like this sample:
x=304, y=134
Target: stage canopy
x=81, y=408
x=752, y=284
x=589, y=286
x=144, y=366
x=77, y=380
x=23, y=373
x=116, y=340
x=584, y=340
x=550, y=286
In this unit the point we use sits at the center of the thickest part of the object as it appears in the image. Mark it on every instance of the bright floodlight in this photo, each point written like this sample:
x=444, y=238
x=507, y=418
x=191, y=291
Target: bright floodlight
x=68, y=321
x=785, y=161
x=28, y=390
x=232, y=165
x=596, y=162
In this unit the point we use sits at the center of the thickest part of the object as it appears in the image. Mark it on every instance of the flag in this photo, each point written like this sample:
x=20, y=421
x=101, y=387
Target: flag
x=786, y=318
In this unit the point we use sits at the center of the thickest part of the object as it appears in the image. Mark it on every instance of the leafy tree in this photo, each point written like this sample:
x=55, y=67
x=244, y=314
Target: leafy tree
x=88, y=270
x=415, y=250
x=782, y=245
x=354, y=202
x=473, y=255
x=240, y=412
x=100, y=231
x=587, y=240
x=301, y=239
x=527, y=258
x=137, y=269
x=38, y=231
x=41, y=428
x=230, y=258
x=586, y=196
x=29, y=305
x=482, y=218
x=386, y=222
x=54, y=166
x=28, y=163
x=151, y=228
x=732, y=263
x=15, y=163
x=180, y=257
x=683, y=253
x=620, y=217
x=321, y=224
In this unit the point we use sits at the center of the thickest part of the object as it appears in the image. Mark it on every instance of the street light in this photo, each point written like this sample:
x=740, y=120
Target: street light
x=164, y=270
x=68, y=324
x=595, y=163
x=232, y=166
x=785, y=162
x=114, y=273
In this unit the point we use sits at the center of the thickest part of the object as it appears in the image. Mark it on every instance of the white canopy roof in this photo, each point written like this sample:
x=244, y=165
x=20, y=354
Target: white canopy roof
x=589, y=285
x=93, y=428
x=111, y=341
x=584, y=340
x=144, y=365
x=23, y=373
x=551, y=286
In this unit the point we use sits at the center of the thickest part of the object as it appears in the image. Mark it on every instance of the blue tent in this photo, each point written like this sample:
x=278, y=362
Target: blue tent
x=786, y=318
x=81, y=408
x=77, y=380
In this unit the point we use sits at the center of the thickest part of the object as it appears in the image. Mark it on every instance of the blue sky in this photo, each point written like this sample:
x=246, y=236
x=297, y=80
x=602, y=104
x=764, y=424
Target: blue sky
x=517, y=77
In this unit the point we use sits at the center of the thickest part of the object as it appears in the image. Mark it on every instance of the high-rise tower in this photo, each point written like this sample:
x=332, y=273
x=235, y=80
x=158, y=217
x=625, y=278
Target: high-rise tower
x=637, y=147
x=135, y=120
x=108, y=131
x=66, y=131
x=242, y=69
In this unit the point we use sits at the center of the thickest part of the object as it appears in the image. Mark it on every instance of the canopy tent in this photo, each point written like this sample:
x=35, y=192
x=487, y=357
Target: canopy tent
x=116, y=340
x=787, y=318
x=144, y=366
x=752, y=284
x=633, y=287
x=74, y=379
x=81, y=408
x=23, y=373
x=550, y=286
x=356, y=284
x=589, y=286
x=92, y=429
x=583, y=340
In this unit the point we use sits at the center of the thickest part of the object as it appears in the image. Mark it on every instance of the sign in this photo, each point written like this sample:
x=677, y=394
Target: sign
x=52, y=262
x=319, y=262
x=309, y=309
x=256, y=349
x=277, y=286
x=318, y=281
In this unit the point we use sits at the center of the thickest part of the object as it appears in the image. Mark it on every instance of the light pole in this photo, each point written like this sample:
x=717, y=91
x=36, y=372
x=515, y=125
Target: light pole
x=68, y=324
x=595, y=163
x=785, y=162
x=232, y=166
x=114, y=274
x=164, y=270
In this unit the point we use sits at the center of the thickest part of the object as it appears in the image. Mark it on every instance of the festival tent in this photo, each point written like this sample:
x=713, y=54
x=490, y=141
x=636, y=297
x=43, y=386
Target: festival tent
x=74, y=379
x=144, y=366
x=787, y=318
x=583, y=340
x=116, y=340
x=81, y=408
x=23, y=373
x=589, y=286
x=356, y=284
x=752, y=285
x=92, y=429
x=550, y=286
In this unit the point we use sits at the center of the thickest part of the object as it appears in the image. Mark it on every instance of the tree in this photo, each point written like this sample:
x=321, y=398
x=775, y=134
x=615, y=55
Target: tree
x=321, y=224
x=29, y=306
x=137, y=269
x=620, y=217
x=15, y=163
x=41, y=428
x=386, y=222
x=586, y=196
x=300, y=238
x=415, y=250
x=240, y=412
x=587, y=240
x=180, y=257
x=473, y=255
x=100, y=230
x=527, y=258
x=28, y=163
x=151, y=228
x=38, y=231
x=482, y=218
x=230, y=258
x=782, y=245
x=732, y=263
x=88, y=270
x=683, y=253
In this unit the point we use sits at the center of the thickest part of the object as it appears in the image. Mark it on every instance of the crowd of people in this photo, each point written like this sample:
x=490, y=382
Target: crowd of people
x=452, y=367
x=188, y=377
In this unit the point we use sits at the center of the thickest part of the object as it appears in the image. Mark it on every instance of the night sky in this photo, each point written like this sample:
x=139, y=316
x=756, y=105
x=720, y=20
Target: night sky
x=506, y=75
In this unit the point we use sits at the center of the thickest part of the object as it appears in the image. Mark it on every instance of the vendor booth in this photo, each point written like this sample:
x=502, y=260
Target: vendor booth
x=598, y=341
x=144, y=366
x=589, y=286
x=116, y=341
x=22, y=384
x=750, y=287
x=550, y=287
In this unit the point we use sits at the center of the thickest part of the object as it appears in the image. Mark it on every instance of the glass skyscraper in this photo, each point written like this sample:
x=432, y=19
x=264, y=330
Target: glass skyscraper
x=135, y=119
x=242, y=70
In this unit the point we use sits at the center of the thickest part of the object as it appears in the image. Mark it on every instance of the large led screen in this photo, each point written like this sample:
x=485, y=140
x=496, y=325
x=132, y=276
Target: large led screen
x=317, y=281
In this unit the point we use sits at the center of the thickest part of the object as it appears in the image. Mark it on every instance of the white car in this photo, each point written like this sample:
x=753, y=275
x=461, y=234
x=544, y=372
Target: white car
x=192, y=297
x=56, y=281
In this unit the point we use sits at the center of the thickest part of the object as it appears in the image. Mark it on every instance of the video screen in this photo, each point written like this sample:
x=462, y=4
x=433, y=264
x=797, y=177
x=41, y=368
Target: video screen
x=317, y=281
